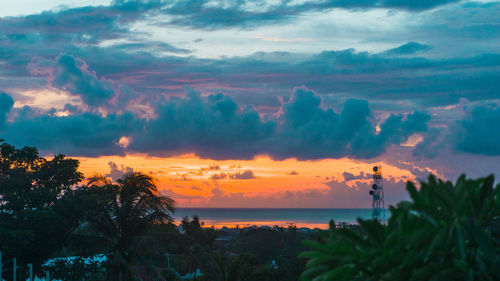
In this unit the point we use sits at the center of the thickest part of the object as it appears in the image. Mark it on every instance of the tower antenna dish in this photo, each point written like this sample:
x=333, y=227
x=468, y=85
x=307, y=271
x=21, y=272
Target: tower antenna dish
x=377, y=193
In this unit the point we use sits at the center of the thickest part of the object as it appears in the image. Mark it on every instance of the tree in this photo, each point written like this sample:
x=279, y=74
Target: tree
x=445, y=233
x=38, y=206
x=244, y=267
x=128, y=210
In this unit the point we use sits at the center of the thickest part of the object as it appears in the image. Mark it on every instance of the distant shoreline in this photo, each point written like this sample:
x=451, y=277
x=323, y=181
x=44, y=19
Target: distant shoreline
x=301, y=217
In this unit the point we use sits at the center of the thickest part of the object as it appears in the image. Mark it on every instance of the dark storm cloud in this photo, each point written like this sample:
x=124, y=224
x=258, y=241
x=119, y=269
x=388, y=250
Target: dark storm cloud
x=212, y=128
x=84, y=134
x=217, y=128
x=312, y=132
x=479, y=132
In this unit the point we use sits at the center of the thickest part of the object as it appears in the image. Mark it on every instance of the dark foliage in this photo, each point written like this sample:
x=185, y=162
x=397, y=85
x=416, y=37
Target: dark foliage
x=126, y=211
x=447, y=232
x=38, y=203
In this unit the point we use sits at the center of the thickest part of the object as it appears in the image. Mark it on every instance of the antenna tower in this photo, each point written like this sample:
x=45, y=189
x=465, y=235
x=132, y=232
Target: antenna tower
x=377, y=193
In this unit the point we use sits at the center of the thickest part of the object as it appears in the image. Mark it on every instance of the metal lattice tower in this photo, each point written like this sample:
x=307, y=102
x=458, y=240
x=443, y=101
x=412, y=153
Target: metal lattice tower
x=377, y=193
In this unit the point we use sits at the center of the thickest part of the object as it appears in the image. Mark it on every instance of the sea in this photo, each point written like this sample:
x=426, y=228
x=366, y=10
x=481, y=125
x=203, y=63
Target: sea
x=245, y=217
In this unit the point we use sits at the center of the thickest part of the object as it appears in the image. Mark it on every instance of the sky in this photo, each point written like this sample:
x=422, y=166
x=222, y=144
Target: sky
x=253, y=103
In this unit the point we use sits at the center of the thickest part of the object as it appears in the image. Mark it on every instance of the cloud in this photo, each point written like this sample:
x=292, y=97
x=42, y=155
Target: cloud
x=216, y=127
x=113, y=21
x=6, y=103
x=362, y=176
x=415, y=81
x=245, y=175
x=419, y=82
x=117, y=172
x=431, y=145
x=212, y=128
x=196, y=188
x=218, y=14
x=415, y=5
x=210, y=168
x=84, y=134
x=309, y=131
x=88, y=24
x=337, y=194
x=409, y=48
x=71, y=74
x=219, y=176
x=478, y=132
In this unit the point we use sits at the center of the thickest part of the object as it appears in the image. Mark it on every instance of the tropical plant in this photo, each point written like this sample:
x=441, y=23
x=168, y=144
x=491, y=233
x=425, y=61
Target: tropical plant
x=126, y=211
x=446, y=232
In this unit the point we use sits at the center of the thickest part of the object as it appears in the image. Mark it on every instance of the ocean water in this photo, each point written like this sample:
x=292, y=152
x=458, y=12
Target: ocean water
x=231, y=217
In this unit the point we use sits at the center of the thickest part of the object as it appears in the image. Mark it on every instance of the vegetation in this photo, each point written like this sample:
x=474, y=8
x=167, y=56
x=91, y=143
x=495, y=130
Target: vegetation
x=38, y=206
x=47, y=212
x=447, y=232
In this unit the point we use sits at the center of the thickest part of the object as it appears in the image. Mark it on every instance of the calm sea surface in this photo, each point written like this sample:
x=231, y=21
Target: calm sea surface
x=220, y=217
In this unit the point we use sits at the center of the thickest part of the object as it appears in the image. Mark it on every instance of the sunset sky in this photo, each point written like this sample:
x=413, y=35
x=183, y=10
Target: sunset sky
x=256, y=103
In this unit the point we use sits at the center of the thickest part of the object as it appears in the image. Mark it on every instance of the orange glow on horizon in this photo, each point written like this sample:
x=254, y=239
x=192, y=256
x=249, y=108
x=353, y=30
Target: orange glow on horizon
x=193, y=182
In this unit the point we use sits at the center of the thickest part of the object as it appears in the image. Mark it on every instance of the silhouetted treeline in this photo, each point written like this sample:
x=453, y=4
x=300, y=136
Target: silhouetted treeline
x=99, y=230
x=49, y=212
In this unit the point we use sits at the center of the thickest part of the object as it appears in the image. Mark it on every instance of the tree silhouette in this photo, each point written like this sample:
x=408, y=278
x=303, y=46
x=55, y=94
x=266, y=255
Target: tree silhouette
x=127, y=210
x=38, y=203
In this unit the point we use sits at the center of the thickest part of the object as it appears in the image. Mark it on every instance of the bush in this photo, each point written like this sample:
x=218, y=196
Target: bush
x=446, y=232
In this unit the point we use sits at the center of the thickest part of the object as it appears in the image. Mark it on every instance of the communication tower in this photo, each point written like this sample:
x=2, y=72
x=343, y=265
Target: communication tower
x=377, y=193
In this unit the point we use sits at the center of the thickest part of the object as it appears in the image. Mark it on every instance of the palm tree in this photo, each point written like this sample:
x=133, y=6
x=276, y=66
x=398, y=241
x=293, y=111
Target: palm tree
x=127, y=210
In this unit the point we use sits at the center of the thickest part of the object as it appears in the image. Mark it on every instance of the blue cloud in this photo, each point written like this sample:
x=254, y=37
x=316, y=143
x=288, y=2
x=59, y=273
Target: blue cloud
x=212, y=128
x=422, y=81
x=409, y=48
x=213, y=15
x=91, y=24
x=431, y=145
x=309, y=131
x=72, y=75
x=85, y=134
x=6, y=103
x=362, y=176
x=217, y=128
x=478, y=132
x=415, y=5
